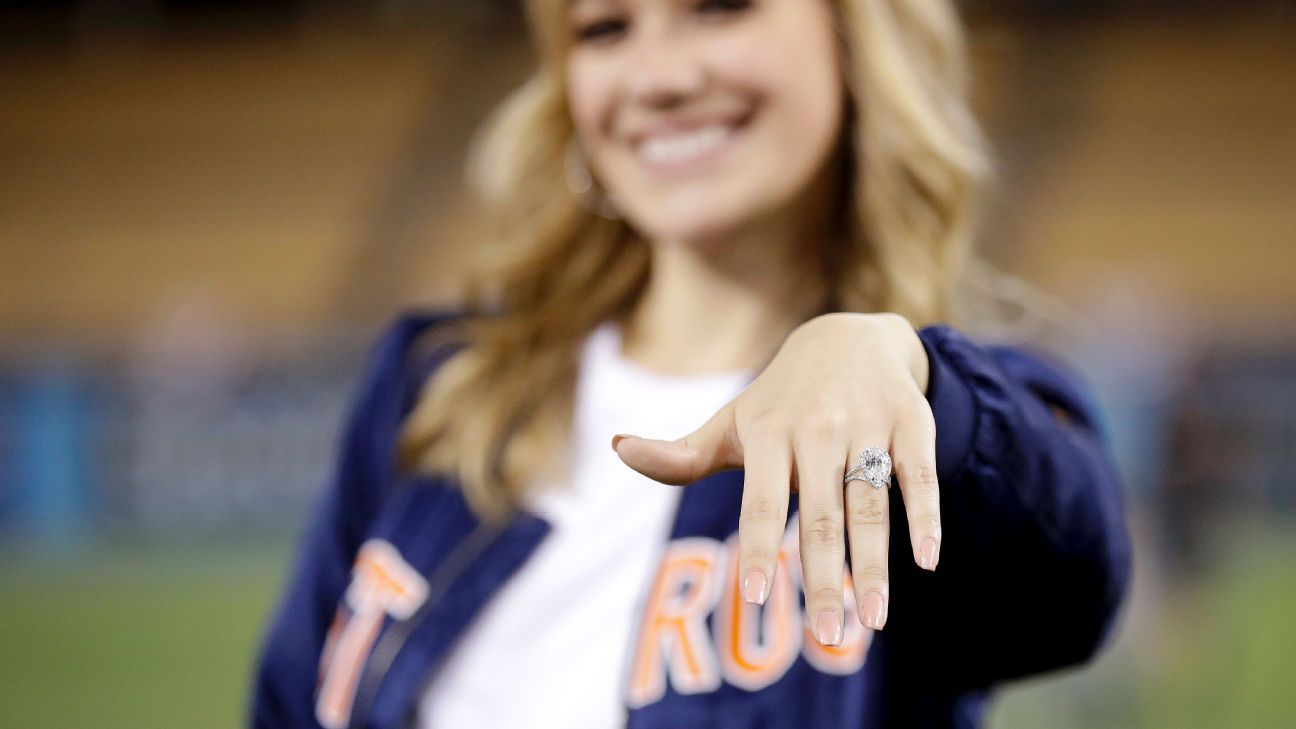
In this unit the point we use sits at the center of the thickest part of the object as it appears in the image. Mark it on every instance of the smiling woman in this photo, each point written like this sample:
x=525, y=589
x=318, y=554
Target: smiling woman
x=881, y=222
x=730, y=237
x=702, y=117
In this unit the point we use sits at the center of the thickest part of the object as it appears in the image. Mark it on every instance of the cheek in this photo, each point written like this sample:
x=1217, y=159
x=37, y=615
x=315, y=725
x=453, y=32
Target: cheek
x=795, y=83
x=795, y=125
x=811, y=110
x=588, y=94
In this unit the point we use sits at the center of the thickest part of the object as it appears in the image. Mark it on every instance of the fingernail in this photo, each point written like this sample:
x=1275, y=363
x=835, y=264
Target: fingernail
x=754, y=587
x=830, y=628
x=617, y=439
x=873, y=610
x=927, y=554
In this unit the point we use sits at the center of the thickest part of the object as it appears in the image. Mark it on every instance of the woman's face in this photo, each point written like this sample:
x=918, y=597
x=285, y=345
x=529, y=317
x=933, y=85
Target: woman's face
x=702, y=115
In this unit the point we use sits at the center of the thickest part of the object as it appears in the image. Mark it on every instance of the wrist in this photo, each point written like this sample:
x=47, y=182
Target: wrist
x=920, y=365
x=910, y=346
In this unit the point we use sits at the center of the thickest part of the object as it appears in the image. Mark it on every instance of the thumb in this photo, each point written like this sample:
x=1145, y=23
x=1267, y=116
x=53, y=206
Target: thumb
x=711, y=448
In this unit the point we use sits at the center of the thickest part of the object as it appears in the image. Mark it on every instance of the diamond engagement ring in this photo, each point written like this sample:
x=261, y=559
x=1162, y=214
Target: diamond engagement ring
x=874, y=467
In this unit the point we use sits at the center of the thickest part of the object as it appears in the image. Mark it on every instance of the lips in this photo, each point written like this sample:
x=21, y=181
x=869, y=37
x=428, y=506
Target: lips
x=685, y=124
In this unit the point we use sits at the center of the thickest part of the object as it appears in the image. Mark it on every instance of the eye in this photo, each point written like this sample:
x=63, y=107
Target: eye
x=606, y=29
x=599, y=30
x=723, y=6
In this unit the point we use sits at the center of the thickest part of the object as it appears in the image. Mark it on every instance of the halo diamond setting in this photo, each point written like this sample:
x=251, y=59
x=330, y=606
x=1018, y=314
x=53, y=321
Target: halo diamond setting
x=874, y=467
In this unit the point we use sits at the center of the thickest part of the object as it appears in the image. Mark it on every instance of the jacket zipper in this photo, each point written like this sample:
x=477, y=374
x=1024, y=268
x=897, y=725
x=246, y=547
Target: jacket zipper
x=385, y=651
x=393, y=639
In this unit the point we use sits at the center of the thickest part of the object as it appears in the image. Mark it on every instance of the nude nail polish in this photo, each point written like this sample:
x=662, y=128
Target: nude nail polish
x=873, y=610
x=829, y=627
x=927, y=554
x=755, y=587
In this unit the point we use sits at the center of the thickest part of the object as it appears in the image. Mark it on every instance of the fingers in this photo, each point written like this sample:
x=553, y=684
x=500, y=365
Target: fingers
x=818, y=455
x=832, y=517
x=712, y=447
x=868, y=525
x=914, y=453
x=763, y=516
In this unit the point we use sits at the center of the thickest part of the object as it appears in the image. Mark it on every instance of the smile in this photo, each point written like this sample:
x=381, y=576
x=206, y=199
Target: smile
x=678, y=153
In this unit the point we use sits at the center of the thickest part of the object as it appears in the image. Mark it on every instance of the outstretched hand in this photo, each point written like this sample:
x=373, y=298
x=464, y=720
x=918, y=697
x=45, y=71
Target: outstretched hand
x=840, y=383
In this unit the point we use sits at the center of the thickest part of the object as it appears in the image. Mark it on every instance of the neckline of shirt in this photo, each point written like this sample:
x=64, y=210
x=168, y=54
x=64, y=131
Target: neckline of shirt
x=605, y=344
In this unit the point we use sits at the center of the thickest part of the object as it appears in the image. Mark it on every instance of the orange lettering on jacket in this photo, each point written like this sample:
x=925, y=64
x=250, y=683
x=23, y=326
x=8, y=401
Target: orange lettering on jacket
x=673, y=637
x=748, y=660
x=752, y=646
x=382, y=584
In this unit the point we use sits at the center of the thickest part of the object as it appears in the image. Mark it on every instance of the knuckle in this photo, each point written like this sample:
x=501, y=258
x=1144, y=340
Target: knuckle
x=756, y=557
x=823, y=531
x=896, y=400
x=690, y=440
x=930, y=522
x=920, y=475
x=867, y=511
x=827, y=594
x=869, y=574
x=921, y=419
x=759, y=510
x=825, y=423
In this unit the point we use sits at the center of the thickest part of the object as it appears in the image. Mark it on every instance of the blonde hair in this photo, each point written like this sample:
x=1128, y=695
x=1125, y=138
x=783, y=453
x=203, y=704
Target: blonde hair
x=496, y=414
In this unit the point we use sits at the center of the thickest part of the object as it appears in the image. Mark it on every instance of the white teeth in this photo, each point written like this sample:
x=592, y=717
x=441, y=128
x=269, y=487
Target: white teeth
x=667, y=149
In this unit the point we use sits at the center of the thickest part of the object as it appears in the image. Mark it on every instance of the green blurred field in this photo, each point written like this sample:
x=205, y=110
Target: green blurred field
x=148, y=637
x=1216, y=653
x=140, y=637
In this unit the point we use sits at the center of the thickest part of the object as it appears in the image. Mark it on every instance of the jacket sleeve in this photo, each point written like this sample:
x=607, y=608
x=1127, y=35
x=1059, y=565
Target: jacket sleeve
x=283, y=693
x=1035, y=557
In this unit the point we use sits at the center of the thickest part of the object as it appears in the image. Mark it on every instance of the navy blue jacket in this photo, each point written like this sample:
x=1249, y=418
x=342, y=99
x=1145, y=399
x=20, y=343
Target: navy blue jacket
x=1034, y=564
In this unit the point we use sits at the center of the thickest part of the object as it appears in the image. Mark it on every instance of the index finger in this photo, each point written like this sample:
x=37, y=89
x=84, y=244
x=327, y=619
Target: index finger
x=763, y=516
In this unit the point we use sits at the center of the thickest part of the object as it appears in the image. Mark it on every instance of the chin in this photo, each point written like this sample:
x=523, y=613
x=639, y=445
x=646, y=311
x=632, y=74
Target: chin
x=699, y=234
x=695, y=225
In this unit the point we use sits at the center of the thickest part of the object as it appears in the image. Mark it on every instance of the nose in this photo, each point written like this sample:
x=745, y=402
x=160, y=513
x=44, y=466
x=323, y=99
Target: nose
x=663, y=71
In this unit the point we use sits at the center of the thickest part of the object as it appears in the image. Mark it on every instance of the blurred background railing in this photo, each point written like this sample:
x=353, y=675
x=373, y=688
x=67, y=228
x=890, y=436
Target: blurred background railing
x=209, y=209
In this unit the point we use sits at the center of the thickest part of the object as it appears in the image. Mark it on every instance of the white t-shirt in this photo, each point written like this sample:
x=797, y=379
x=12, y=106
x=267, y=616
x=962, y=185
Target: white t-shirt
x=552, y=647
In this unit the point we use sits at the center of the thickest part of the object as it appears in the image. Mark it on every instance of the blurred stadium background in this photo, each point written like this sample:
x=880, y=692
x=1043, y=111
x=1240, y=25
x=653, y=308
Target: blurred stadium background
x=208, y=209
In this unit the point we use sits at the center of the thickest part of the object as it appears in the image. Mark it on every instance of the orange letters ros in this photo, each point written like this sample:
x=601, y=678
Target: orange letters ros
x=750, y=646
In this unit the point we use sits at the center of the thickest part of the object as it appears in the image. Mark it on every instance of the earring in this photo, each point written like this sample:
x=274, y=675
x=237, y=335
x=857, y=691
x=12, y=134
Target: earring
x=582, y=185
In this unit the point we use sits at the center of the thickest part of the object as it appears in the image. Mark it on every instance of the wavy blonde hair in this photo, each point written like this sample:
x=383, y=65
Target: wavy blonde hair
x=496, y=415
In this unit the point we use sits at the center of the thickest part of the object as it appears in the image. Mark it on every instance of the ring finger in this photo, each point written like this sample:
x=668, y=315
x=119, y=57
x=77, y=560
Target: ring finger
x=868, y=529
